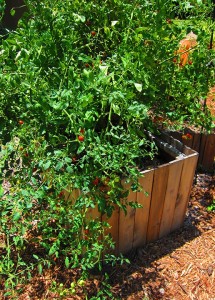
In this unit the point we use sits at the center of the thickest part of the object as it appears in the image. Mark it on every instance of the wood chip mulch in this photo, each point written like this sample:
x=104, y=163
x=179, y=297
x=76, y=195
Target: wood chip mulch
x=180, y=266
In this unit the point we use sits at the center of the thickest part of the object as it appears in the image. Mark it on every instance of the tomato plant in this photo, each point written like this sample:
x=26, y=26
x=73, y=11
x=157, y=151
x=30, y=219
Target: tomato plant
x=89, y=79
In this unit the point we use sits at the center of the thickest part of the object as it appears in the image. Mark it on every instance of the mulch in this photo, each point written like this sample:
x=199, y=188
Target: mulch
x=177, y=267
x=182, y=265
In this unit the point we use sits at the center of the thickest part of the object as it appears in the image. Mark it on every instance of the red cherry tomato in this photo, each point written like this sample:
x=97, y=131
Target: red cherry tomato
x=96, y=181
x=74, y=159
x=61, y=194
x=82, y=130
x=189, y=136
x=93, y=33
x=81, y=138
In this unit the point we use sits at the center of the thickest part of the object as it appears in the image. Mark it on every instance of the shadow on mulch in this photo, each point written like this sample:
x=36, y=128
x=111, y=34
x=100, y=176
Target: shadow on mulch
x=142, y=275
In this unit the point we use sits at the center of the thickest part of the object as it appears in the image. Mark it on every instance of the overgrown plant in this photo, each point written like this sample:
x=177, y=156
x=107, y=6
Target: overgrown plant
x=80, y=81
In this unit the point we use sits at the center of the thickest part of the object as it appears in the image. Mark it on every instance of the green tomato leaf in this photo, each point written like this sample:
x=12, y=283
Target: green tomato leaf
x=53, y=249
x=113, y=23
x=47, y=165
x=67, y=262
x=138, y=86
x=12, y=12
x=69, y=169
x=1, y=191
x=16, y=216
x=59, y=165
x=40, y=269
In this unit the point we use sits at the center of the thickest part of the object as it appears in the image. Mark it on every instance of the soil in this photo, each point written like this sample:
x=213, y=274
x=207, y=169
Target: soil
x=177, y=267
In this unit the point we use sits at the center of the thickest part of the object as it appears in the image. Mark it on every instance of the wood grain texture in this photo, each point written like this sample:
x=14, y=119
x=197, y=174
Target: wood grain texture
x=126, y=223
x=157, y=202
x=187, y=175
x=175, y=170
x=142, y=214
x=209, y=152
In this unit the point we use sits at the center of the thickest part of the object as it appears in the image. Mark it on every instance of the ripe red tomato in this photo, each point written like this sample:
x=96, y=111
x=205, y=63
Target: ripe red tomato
x=61, y=194
x=174, y=60
x=86, y=231
x=93, y=33
x=21, y=122
x=96, y=181
x=81, y=138
x=82, y=130
x=74, y=159
x=187, y=136
x=85, y=234
x=190, y=62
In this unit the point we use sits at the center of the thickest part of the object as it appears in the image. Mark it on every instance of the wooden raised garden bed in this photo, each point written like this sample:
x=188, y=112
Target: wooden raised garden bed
x=203, y=143
x=164, y=199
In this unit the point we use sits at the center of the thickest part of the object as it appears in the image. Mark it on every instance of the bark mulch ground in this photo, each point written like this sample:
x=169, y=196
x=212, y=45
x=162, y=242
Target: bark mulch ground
x=178, y=267
x=182, y=265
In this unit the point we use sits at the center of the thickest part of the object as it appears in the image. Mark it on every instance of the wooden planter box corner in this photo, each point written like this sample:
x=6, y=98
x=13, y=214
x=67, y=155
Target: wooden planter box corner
x=164, y=199
x=202, y=143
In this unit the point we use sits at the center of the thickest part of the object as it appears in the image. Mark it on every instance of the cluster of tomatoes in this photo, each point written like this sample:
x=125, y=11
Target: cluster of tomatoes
x=187, y=136
x=81, y=135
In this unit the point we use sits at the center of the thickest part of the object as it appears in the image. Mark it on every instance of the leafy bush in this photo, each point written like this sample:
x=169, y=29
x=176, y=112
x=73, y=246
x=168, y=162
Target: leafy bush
x=80, y=82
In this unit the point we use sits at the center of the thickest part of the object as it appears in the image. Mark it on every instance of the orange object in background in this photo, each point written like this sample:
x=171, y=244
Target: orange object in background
x=185, y=46
x=210, y=101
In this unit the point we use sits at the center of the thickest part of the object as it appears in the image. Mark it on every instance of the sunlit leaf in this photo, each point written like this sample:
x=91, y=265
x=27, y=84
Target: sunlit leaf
x=138, y=86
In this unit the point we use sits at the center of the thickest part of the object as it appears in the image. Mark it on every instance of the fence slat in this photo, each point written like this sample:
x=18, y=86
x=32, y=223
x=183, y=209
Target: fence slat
x=202, y=148
x=142, y=214
x=157, y=202
x=196, y=141
x=126, y=223
x=203, y=143
x=170, y=198
x=185, y=185
x=209, y=152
